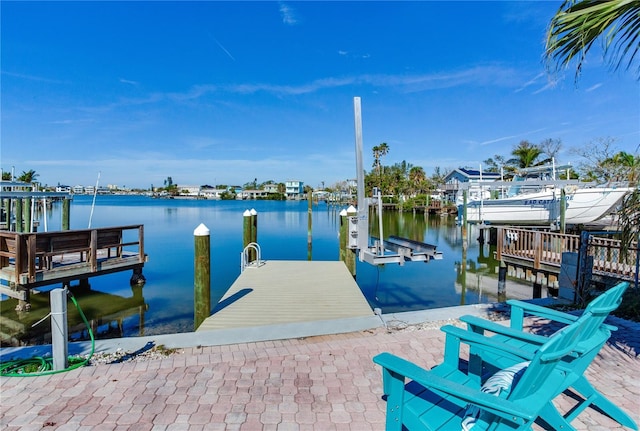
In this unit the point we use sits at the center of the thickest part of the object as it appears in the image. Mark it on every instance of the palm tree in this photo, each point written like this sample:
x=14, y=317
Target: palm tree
x=417, y=177
x=572, y=32
x=379, y=151
x=579, y=23
x=526, y=154
x=28, y=176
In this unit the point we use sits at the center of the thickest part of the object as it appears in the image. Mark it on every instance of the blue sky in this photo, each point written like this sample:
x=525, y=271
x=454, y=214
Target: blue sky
x=225, y=92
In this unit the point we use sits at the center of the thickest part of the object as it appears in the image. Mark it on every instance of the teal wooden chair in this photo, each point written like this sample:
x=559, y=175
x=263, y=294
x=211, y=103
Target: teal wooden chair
x=524, y=345
x=443, y=397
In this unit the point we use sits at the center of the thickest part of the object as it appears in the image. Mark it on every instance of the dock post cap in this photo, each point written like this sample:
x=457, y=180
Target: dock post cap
x=253, y=212
x=343, y=212
x=351, y=209
x=246, y=213
x=201, y=230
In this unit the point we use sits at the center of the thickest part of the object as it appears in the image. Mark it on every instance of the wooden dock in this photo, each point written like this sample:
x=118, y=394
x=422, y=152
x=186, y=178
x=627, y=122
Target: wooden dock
x=281, y=292
x=32, y=260
x=543, y=251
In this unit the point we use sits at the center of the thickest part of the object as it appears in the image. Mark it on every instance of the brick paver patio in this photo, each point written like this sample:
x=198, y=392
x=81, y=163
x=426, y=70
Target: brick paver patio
x=317, y=383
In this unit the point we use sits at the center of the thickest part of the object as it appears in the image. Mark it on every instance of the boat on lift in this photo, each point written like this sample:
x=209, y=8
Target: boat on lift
x=535, y=196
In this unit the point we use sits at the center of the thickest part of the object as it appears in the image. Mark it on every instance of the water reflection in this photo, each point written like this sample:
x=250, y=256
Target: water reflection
x=465, y=275
x=106, y=314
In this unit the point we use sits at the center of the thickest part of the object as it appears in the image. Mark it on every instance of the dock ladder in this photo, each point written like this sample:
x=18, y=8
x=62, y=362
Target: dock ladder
x=245, y=257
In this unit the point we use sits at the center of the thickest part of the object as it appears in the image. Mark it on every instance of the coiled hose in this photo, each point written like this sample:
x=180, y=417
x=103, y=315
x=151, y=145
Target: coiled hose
x=41, y=366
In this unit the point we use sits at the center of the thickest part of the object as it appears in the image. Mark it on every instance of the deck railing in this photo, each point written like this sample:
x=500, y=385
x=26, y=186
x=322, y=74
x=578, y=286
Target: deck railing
x=542, y=248
x=29, y=253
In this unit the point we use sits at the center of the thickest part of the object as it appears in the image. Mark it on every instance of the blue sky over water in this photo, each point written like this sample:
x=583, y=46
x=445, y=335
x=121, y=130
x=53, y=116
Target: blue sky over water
x=225, y=92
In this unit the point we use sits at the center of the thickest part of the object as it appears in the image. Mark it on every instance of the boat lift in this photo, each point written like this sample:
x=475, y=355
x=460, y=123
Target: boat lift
x=379, y=251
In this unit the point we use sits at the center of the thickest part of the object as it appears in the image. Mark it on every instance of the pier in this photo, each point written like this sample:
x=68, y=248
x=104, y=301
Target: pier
x=281, y=292
x=538, y=254
x=31, y=260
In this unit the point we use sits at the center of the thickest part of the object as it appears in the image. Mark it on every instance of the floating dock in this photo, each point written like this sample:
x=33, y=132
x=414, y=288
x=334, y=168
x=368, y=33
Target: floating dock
x=282, y=292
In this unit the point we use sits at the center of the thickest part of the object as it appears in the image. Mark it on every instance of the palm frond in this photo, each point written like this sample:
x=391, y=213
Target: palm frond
x=578, y=24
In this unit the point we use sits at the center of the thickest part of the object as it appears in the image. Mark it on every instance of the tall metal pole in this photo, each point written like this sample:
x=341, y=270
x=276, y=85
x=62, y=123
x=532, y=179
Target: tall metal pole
x=363, y=210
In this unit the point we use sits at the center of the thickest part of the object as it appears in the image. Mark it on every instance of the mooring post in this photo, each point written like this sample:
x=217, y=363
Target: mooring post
x=59, y=329
x=563, y=211
x=246, y=231
x=26, y=215
x=342, y=238
x=19, y=221
x=502, y=282
x=254, y=233
x=309, y=223
x=202, y=275
x=66, y=207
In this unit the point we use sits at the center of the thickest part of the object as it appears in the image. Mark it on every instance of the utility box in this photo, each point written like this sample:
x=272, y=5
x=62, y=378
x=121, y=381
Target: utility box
x=568, y=278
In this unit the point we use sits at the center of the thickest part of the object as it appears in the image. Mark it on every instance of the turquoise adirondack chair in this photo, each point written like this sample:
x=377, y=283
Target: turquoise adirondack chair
x=441, y=398
x=525, y=344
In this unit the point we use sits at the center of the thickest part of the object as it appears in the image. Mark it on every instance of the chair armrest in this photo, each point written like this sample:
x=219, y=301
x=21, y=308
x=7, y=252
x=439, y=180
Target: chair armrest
x=401, y=368
x=456, y=335
x=520, y=308
x=479, y=325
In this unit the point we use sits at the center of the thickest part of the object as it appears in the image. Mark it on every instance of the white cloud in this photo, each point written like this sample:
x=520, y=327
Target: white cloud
x=288, y=16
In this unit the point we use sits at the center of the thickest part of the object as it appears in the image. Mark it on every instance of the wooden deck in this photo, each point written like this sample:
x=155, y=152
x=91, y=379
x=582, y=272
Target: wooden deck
x=538, y=250
x=31, y=260
x=289, y=292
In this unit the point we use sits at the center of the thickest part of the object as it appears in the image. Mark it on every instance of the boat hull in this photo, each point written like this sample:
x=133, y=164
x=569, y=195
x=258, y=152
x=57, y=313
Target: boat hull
x=584, y=205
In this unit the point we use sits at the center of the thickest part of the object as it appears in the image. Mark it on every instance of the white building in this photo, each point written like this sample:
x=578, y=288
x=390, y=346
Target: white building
x=294, y=189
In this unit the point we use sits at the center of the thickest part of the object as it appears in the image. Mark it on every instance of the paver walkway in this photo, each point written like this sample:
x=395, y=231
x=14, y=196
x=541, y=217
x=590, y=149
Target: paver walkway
x=318, y=383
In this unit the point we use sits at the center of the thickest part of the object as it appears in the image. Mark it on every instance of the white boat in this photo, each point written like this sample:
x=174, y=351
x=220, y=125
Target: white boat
x=534, y=198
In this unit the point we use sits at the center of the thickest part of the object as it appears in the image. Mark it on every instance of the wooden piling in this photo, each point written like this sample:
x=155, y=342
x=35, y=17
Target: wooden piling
x=19, y=218
x=309, y=223
x=254, y=234
x=563, y=210
x=202, y=275
x=246, y=230
x=26, y=215
x=66, y=206
x=342, y=238
x=502, y=281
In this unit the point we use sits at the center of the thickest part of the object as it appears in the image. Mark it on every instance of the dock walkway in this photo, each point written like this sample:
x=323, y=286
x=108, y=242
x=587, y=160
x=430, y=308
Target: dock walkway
x=282, y=292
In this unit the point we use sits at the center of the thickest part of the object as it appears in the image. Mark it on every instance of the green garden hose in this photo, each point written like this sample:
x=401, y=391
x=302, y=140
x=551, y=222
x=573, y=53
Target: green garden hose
x=41, y=366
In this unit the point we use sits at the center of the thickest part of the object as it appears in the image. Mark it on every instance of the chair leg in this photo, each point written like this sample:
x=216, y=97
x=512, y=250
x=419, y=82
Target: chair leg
x=554, y=419
x=595, y=398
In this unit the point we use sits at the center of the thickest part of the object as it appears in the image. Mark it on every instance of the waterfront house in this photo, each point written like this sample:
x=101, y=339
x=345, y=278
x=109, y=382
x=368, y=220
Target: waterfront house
x=456, y=178
x=294, y=189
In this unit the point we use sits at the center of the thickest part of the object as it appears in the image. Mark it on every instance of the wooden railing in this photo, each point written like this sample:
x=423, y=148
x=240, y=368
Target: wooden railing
x=609, y=259
x=29, y=253
x=545, y=249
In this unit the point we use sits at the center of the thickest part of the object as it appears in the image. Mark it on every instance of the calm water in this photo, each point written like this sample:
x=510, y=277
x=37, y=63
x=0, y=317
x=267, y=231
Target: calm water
x=165, y=303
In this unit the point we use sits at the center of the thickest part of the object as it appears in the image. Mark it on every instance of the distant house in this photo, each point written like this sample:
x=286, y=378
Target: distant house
x=457, y=177
x=271, y=188
x=188, y=190
x=252, y=194
x=294, y=189
x=212, y=193
x=77, y=189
